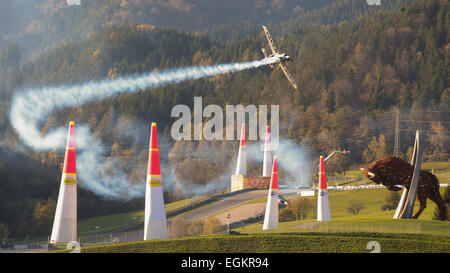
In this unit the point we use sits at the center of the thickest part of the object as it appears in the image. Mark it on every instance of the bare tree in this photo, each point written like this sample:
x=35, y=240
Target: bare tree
x=355, y=207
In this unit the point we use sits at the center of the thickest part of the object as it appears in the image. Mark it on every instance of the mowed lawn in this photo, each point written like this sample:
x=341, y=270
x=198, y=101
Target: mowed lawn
x=283, y=243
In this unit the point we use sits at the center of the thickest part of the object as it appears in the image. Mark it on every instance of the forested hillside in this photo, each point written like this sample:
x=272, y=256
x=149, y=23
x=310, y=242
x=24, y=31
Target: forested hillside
x=42, y=24
x=334, y=12
x=352, y=76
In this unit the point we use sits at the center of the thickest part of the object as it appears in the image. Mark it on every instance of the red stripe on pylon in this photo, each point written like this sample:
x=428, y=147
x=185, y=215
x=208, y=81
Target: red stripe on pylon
x=322, y=176
x=267, y=143
x=70, y=162
x=153, y=167
x=153, y=137
x=274, y=178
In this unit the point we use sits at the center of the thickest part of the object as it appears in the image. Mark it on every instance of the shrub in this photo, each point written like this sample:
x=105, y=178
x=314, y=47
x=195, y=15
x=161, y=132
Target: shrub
x=392, y=199
x=286, y=215
x=300, y=207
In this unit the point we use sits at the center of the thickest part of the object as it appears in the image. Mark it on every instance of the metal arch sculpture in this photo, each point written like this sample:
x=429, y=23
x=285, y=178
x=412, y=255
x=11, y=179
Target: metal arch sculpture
x=405, y=208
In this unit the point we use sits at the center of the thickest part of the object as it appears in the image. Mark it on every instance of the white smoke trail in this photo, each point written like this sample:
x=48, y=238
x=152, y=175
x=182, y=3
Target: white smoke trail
x=291, y=157
x=30, y=108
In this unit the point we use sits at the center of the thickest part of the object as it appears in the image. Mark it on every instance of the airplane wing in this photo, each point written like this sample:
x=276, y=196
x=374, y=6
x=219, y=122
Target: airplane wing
x=288, y=75
x=269, y=39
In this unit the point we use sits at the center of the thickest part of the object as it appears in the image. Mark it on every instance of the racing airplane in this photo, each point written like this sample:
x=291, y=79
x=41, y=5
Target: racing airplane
x=281, y=57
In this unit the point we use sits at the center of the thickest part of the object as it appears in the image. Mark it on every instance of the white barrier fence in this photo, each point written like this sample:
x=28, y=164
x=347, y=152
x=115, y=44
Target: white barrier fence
x=359, y=187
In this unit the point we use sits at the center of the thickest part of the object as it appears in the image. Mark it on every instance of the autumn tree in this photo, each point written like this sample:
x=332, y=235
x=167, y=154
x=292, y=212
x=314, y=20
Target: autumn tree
x=177, y=228
x=212, y=225
x=195, y=228
x=44, y=212
x=299, y=207
x=438, y=139
x=376, y=149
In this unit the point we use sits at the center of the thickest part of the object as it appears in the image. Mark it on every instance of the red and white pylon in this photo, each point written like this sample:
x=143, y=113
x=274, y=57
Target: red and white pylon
x=271, y=215
x=323, y=205
x=155, y=225
x=65, y=223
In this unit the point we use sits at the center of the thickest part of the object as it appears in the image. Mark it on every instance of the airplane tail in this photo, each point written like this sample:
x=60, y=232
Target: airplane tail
x=264, y=52
x=265, y=56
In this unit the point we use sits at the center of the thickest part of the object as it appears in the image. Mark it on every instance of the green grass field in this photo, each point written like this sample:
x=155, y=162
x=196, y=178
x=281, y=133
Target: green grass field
x=282, y=243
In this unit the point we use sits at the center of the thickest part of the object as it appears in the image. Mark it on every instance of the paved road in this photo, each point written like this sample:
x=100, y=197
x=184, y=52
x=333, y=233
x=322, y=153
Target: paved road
x=227, y=203
x=221, y=205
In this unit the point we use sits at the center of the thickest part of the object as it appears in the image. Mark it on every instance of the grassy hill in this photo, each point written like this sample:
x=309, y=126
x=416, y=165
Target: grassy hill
x=282, y=243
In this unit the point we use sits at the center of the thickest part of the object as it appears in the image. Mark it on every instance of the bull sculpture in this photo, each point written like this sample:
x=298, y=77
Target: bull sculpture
x=392, y=171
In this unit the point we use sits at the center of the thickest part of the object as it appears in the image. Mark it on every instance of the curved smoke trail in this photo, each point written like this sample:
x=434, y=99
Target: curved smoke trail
x=30, y=108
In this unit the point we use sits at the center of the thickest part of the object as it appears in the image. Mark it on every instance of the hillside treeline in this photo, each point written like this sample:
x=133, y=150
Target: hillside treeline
x=42, y=24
